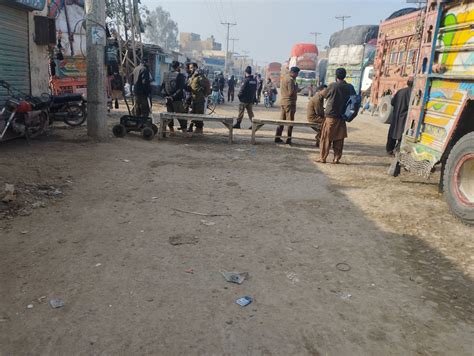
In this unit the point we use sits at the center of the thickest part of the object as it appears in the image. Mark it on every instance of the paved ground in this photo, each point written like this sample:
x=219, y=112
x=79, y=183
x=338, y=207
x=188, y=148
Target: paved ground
x=92, y=225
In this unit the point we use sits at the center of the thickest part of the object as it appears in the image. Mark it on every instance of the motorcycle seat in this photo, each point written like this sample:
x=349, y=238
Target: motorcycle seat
x=65, y=98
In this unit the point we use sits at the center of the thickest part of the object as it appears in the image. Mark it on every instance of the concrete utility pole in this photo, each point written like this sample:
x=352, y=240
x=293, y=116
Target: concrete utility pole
x=343, y=18
x=226, y=64
x=96, y=101
x=233, y=44
x=315, y=34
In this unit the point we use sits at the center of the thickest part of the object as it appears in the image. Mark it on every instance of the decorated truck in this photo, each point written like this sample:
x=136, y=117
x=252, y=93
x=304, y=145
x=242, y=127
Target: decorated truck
x=273, y=71
x=396, y=57
x=353, y=49
x=305, y=57
x=439, y=132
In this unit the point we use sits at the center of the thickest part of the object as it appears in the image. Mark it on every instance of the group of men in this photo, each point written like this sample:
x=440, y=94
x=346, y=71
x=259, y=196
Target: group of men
x=174, y=88
x=329, y=121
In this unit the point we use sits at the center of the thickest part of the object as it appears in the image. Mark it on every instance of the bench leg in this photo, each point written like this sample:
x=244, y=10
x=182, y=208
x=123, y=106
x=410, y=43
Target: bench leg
x=255, y=128
x=231, y=131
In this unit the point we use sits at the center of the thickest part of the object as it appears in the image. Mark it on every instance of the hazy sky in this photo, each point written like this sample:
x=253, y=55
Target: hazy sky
x=267, y=29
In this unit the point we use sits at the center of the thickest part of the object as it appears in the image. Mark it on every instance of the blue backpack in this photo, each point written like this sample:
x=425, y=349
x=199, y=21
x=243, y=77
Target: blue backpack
x=352, y=106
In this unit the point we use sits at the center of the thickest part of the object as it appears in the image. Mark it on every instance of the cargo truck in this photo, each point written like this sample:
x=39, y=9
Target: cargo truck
x=439, y=132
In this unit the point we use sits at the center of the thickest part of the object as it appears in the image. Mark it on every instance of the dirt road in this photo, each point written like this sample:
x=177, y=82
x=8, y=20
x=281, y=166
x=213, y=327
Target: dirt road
x=92, y=225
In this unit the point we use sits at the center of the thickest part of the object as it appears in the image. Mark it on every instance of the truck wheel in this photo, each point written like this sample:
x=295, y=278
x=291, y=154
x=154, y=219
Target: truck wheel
x=385, y=108
x=119, y=131
x=459, y=179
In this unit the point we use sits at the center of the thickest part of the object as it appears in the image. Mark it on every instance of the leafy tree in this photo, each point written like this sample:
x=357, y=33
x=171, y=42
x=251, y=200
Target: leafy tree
x=161, y=30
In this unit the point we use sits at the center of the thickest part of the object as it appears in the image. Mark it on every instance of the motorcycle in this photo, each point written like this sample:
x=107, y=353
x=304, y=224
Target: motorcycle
x=268, y=99
x=22, y=115
x=69, y=108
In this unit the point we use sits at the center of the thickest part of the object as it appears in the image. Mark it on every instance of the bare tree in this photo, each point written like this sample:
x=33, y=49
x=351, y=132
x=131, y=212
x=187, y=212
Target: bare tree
x=161, y=30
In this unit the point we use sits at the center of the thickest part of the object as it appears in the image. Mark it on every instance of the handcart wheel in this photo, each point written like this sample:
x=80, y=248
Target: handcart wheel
x=119, y=130
x=147, y=133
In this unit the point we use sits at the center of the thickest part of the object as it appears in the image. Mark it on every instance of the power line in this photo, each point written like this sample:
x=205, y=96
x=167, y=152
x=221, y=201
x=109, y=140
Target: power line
x=343, y=18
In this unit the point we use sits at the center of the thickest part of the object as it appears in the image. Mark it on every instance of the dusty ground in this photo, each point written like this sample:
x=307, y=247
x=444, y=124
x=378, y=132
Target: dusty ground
x=92, y=225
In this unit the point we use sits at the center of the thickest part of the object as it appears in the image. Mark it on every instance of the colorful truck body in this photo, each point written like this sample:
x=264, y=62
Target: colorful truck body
x=440, y=124
x=305, y=57
x=396, y=57
x=273, y=71
x=353, y=49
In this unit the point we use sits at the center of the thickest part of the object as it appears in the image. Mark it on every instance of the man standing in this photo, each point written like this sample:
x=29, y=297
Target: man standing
x=259, y=88
x=289, y=93
x=231, y=89
x=334, y=129
x=315, y=111
x=221, y=86
x=172, y=89
x=398, y=117
x=271, y=90
x=141, y=80
x=198, y=95
x=246, y=96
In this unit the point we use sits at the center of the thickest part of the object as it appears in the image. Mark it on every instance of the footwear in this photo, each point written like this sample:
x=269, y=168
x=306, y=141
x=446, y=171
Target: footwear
x=288, y=141
x=198, y=131
x=190, y=128
x=237, y=125
x=250, y=128
x=278, y=140
x=335, y=162
x=116, y=104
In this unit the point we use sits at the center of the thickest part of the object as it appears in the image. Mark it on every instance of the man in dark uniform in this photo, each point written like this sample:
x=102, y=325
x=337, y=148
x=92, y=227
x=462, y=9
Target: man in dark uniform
x=141, y=80
x=334, y=129
x=172, y=89
x=398, y=117
x=246, y=96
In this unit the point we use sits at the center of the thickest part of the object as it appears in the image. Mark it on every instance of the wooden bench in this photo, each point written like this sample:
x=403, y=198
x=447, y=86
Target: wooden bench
x=165, y=117
x=257, y=124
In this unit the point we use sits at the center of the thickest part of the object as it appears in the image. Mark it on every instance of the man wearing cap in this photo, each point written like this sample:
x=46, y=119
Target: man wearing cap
x=288, y=95
x=334, y=129
x=172, y=89
x=246, y=96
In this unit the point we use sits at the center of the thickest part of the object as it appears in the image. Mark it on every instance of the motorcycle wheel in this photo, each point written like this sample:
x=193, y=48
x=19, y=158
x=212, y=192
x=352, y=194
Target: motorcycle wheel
x=75, y=115
x=32, y=132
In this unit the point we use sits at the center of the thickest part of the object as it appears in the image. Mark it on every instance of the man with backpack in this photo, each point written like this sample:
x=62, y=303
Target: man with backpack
x=334, y=129
x=141, y=80
x=200, y=88
x=246, y=96
x=172, y=89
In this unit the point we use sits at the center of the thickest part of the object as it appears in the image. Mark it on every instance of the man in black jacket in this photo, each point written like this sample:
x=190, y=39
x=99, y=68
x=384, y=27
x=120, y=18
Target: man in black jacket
x=172, y=89
x=246, y=96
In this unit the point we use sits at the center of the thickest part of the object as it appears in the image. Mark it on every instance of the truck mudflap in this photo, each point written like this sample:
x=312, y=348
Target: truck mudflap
x=422, y=167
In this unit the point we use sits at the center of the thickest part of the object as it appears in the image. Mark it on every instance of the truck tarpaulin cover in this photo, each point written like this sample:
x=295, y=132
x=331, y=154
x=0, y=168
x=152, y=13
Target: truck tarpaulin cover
x=356, y=35
x=300, y=49
x=401, y=12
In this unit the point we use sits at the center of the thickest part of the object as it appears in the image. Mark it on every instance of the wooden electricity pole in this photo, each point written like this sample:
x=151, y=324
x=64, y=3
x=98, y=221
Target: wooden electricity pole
x=96, y=98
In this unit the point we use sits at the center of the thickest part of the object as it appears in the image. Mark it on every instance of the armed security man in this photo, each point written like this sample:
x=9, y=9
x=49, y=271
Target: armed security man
x=172, y=89
x=199, y=91
x=288, y=91
x=246, y=96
